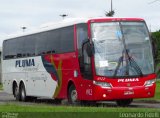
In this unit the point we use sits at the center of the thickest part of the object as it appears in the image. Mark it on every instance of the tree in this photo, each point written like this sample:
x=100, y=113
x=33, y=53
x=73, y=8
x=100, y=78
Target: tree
x=156, y=43
x=156, y=47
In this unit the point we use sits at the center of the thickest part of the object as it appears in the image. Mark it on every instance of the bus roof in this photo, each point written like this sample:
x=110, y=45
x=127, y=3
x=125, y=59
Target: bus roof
x=69, y=22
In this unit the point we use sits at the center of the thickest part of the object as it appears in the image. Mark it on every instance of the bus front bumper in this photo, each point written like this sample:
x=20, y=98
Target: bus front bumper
x=116, y=93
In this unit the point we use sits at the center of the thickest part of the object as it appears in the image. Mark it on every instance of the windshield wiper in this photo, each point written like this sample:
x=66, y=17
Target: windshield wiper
x=132, y=62
x=118, y=66
x=129, y=62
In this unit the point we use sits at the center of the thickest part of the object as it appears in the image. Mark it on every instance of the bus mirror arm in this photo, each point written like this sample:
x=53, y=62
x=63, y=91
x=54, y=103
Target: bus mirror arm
x=89, y=49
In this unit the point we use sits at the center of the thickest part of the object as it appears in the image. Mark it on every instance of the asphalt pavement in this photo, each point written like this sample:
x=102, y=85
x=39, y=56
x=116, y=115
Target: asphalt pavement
x=7, y=98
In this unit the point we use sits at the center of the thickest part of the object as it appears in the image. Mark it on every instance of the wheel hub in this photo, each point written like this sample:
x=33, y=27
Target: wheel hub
x=74, y=95
x=23, y=94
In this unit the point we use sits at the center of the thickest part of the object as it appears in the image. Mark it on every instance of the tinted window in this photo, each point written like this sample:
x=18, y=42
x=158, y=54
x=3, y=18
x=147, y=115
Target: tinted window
x=19, y=47
x=67, y=39
x=82, y=34
x=47, y=42
x=29, y=46
x=40, y=43
x=13, y=48
x=54, y=41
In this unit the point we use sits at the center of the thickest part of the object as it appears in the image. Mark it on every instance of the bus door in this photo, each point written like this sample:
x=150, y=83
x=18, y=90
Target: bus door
x=87, y=78
x=86, y=81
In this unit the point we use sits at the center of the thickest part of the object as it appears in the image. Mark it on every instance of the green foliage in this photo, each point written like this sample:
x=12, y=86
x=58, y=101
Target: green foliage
x=157, y=92
x=10, y=107
x=156, y=41
x=156, y=44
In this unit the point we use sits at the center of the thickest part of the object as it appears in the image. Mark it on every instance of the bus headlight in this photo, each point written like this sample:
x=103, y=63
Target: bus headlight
x=102, y=84
x=150, y=82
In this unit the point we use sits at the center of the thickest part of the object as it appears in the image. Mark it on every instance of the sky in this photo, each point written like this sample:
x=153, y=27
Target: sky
x=14, y=14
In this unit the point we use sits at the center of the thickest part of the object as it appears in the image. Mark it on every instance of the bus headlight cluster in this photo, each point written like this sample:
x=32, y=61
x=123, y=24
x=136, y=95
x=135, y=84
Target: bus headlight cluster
x=150, y=82
x=102, y=84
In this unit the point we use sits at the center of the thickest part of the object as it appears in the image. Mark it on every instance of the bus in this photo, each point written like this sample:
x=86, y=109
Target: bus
x=88, y=60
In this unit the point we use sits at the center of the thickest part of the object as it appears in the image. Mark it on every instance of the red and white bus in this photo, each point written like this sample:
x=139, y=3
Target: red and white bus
x=96, y=59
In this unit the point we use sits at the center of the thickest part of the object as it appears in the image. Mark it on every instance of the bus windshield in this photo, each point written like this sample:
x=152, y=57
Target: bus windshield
x=122, y=49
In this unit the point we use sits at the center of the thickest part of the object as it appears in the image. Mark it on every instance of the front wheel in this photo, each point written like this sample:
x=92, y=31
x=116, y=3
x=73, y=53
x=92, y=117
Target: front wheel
x=124, y=103
x=72, y=95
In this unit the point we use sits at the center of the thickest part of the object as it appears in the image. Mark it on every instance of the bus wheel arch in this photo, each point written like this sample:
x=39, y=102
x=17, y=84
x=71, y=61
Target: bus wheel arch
x=72, y=94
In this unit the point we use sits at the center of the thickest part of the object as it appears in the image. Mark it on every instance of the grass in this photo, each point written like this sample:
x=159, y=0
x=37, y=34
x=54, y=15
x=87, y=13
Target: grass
x=43, y=111
x=157, y=93
x=44, y=108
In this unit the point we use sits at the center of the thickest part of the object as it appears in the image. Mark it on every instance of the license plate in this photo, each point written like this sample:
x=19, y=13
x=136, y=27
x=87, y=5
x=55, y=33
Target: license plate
x=128, y=92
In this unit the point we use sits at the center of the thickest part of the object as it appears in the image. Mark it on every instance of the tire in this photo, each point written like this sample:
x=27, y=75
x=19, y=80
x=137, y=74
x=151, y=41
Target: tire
x=72, y=95
x=23, y=96
x=16, y=92
x=124, y=103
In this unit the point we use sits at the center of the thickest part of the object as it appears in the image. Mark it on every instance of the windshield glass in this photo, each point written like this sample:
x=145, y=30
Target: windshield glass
x=122, y=49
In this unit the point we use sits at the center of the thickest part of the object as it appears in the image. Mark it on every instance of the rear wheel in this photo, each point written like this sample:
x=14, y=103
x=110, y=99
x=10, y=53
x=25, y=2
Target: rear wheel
x=72, y=95
x=124, y=103
x=23, y=96
x=16, y=92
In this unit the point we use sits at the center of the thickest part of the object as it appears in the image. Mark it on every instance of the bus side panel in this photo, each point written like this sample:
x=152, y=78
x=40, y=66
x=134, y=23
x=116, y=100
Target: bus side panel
x=43, y=76
x=62, y=67
x=10, y=73
x=38, y=81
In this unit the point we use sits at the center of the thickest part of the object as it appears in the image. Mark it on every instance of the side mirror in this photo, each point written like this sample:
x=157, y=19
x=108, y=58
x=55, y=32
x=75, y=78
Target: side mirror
x=89, y=50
